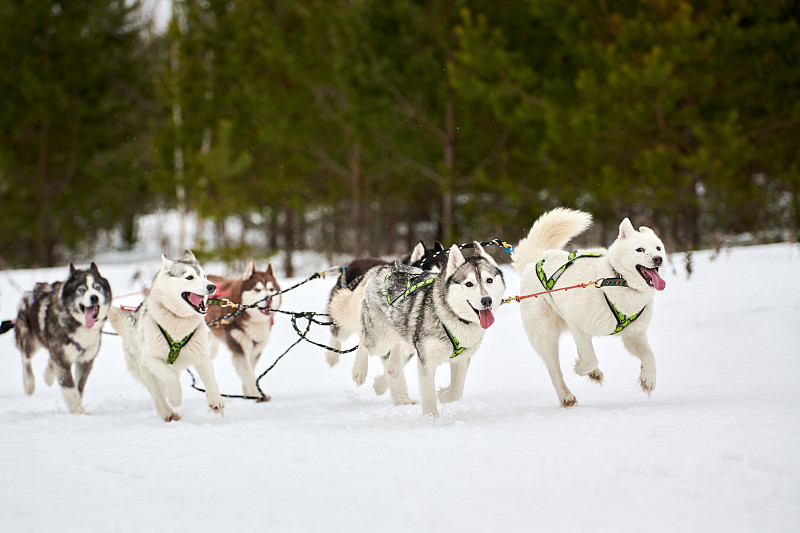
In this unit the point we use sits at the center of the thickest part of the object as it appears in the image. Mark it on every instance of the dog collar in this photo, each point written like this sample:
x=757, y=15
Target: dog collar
x=175, y=347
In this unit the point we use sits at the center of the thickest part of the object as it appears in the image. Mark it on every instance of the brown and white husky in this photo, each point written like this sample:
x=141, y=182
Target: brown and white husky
x=247, y=333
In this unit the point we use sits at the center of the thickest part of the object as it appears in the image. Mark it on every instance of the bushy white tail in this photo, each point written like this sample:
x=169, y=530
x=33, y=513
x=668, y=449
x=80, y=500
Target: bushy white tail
x=345, y=309
x=551, y=231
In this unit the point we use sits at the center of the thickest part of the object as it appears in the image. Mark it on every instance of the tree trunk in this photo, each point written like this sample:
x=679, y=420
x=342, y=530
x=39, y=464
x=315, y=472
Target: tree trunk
x=449, y=178
x=288, y=241
x=357, y=189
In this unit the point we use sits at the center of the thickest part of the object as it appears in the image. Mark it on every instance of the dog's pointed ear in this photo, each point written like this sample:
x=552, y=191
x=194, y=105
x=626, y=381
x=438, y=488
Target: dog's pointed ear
x=645, y=229
x=72, y=270
x=454, y=261
x=248, y=271
x=626, y=229
x=417, y=253
x=437, y=246
x=480, y=252
x=270, y=271
x=93, y=268
x=188, y=256
x=166, y=264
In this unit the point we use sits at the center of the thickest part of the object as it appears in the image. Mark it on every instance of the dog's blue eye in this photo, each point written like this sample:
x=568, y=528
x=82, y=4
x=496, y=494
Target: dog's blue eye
x=97, y=286
x=81, y=290
x=640, y=250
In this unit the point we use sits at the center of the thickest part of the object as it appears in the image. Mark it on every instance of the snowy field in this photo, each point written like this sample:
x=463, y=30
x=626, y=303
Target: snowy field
x=716, y=447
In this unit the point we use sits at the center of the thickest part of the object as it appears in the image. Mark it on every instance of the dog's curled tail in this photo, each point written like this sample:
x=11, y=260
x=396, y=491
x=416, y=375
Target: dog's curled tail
x=551, y=231
x=122, y=321
x=345, y=309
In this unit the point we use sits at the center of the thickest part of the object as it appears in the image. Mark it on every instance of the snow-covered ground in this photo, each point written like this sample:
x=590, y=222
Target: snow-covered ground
x=716, y=447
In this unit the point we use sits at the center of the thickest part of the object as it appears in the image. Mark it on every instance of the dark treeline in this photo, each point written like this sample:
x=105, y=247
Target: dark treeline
x=361, y=126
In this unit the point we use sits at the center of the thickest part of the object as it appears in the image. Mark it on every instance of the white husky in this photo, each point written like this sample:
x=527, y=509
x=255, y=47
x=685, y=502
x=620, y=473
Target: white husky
x=167, y=333
x=622, y=305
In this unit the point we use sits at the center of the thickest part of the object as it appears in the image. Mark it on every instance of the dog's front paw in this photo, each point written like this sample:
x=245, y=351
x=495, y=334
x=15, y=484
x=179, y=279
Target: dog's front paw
x=172, y=417
x=380, y=385
x=359, y=373
x=647, y=381
x=596, y=375
x=216, y=405
x=332, y=358
x=447, y=395
x=568, y=400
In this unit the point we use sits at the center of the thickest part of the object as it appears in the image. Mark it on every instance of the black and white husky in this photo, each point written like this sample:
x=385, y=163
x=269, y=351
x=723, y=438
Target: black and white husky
x=440, y=316
x=66, y=318
x=622, y=305
x=167, y=333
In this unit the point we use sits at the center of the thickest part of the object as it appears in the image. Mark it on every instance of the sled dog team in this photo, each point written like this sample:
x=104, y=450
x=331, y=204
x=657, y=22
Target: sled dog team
x=433, y=306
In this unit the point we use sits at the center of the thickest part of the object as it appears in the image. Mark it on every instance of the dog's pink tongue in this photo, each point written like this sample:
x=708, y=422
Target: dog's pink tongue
x=658, y=283
x=196, y=299
x=89, y=314
x=486, y=317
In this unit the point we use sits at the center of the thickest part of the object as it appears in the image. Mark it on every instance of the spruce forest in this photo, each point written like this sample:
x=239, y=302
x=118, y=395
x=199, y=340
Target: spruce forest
x=362, y=126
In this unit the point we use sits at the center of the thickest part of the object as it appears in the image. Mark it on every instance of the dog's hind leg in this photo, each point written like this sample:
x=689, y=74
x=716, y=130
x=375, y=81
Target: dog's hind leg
x=28, y=379
x=398, y=384
x=586, y=364
x=50, y=373
x=637, y=344
x=331, y=357
x=543, y=331
x=244, y=367
x=458, y=375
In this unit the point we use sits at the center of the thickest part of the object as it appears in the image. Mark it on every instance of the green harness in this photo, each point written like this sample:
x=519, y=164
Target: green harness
x=411, y=286
x=623, y=321
x=175, y=347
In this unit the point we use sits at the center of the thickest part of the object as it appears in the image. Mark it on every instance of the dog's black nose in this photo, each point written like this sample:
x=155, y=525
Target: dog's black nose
x=657, y=260
x=93, y=299
x=486, y=302
x=211, y=288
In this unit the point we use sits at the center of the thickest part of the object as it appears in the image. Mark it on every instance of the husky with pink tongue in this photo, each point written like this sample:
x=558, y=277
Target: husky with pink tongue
x=168, y=333
x=621, y=304
x=66, y=318
x=440, y=316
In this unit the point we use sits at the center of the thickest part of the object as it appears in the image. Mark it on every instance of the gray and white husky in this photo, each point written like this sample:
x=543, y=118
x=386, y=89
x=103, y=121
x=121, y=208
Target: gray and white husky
x=344, y=304
x=66, y=318
x=167, y=333
x=622, y=305
x=440, y=316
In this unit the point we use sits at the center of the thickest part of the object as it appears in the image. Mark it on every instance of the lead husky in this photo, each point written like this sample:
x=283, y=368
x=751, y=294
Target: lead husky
x=247, y=333
x=167, y=333
x=67, y=319
x=442, y=317
x=622, y=305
